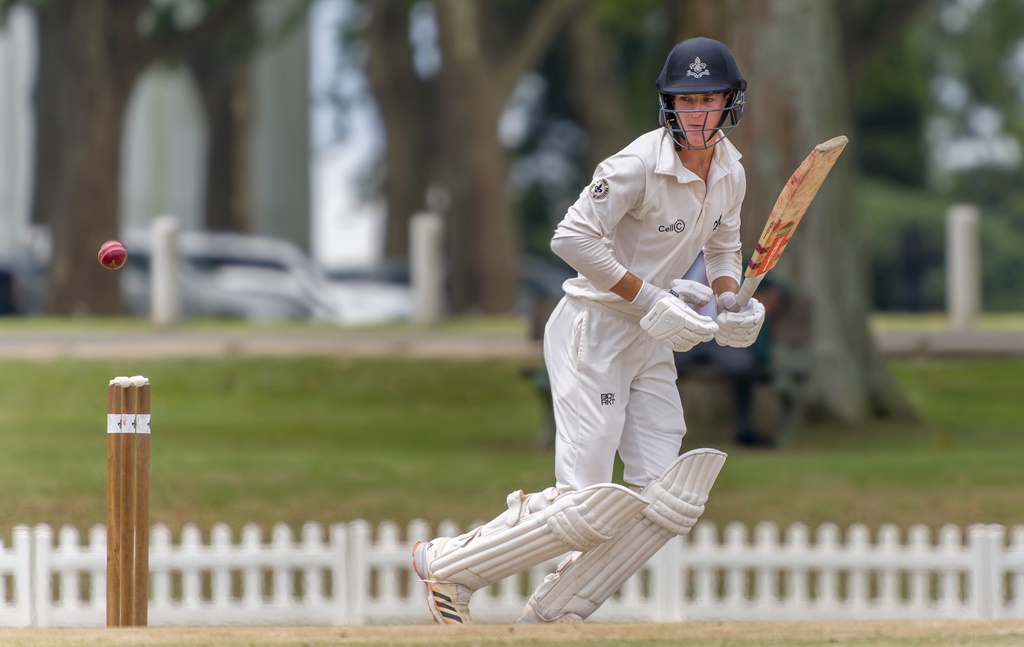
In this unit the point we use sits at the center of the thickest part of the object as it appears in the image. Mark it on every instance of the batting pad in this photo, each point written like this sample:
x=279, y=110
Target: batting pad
x=578, y=520
x=585, y=580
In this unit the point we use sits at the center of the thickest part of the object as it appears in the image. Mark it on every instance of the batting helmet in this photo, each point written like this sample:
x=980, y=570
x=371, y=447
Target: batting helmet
x=700, y=66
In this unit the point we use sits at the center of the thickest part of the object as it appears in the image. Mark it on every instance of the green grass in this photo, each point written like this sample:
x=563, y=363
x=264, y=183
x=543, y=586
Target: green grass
x=327, y=440
x=939, y=321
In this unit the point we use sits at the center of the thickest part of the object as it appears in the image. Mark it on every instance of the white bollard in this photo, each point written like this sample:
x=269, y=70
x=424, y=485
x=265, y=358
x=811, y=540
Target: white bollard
x=963, y=266
x=165, y=272
x=426, y=260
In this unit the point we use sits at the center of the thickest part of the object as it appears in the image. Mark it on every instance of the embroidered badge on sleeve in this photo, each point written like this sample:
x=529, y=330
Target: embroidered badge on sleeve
x=599, y=190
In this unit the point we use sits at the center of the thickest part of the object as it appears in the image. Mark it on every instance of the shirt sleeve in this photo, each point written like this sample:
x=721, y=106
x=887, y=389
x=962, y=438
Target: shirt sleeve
x=723, y=252
x=582, y=238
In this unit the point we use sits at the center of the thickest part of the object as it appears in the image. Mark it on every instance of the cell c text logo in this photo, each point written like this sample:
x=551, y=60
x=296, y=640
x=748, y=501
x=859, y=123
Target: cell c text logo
x=677, y=227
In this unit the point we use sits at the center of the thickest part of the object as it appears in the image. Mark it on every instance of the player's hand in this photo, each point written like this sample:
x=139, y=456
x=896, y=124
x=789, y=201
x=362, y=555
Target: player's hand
x=677, y=325
x=738, y=326
x=693, y=292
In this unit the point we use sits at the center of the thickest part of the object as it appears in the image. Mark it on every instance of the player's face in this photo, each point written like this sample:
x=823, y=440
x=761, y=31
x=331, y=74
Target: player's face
x=698, y=115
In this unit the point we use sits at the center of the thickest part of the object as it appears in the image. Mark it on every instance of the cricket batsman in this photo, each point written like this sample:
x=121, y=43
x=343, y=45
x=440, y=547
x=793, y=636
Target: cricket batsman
x=632, y=233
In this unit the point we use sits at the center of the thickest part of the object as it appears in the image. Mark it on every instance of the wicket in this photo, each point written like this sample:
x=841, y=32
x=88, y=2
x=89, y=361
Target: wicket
x=128, y=433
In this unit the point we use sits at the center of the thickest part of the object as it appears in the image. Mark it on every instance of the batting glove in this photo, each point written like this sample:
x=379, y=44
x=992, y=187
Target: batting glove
x=671, y=321
x=738, y=326
x=695, y=293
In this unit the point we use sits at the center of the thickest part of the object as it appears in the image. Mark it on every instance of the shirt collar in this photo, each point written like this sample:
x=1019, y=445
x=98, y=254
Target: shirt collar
x=725, y=156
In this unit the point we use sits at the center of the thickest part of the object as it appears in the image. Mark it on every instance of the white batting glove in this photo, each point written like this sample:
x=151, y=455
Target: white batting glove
x=693, y=292
x=738, y=326
x=671, y=321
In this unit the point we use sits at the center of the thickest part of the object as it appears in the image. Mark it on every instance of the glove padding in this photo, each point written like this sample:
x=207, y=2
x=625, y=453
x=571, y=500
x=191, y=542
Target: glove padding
x=677, y=325
x=695, y=293
x=738, y=326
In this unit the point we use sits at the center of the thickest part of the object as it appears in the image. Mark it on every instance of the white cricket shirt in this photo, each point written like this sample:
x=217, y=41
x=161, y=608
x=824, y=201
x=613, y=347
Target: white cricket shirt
x=646, y=213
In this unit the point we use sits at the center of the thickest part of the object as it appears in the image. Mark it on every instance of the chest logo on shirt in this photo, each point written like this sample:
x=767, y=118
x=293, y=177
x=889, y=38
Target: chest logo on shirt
x=677, y=227
x=599, y=190
x=717, y=222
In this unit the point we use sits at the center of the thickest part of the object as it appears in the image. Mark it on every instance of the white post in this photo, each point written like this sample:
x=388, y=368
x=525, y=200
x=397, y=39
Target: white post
x=985, y=542
x=963, y=266
x=426, y=255
x=165, y=272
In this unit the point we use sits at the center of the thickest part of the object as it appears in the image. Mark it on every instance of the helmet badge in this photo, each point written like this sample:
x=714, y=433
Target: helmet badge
x=698, y=69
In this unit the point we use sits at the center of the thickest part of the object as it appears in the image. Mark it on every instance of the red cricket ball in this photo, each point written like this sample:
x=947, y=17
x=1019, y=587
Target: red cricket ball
x=112, y=255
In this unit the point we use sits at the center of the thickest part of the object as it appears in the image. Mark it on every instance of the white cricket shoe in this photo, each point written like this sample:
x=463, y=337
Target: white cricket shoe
x=530, y=615
x=448, y=602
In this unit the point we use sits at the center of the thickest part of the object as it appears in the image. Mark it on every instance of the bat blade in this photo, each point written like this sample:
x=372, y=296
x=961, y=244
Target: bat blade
x=788, y=211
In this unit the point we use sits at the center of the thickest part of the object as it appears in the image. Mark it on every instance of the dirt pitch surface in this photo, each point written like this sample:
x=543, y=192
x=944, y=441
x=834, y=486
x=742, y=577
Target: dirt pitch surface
x=896, y=633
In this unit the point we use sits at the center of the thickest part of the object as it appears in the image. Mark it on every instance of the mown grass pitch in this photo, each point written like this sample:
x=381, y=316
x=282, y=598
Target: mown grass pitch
x=705, y=634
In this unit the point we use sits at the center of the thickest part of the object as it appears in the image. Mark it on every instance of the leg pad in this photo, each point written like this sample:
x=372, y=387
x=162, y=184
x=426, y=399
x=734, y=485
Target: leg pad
x=585, y=580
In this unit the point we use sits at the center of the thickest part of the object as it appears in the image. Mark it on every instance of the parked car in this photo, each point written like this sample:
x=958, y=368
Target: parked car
x=540, y=278
x=258, y=278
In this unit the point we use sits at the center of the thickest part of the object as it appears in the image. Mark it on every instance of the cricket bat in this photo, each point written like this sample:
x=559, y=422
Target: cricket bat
x=789, y=209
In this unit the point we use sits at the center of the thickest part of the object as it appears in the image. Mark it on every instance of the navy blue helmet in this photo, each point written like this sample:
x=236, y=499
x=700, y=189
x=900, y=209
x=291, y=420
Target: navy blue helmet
x=700, y=66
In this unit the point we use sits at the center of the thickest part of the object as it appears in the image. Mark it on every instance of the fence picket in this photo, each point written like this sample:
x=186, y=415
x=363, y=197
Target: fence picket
x=795, y=581
x=828, y=550
x=252, y=577
x=766, y=576
x=42, y=547
x=361, y=575
x=220, y=578
x=919, y=593
x=889, y=579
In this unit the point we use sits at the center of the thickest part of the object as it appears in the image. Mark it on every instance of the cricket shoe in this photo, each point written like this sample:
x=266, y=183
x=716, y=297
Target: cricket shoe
x=448, y=602
x=530, y=615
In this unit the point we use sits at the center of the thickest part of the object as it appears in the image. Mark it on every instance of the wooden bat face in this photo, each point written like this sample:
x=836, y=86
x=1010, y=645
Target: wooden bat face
x=789, y=209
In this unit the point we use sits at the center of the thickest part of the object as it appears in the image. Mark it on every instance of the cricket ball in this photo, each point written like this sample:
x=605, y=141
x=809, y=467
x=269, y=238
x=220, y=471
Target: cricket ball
x=112, y=255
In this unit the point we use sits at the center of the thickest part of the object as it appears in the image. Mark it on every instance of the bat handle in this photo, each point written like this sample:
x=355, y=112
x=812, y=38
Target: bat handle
x=747, y=289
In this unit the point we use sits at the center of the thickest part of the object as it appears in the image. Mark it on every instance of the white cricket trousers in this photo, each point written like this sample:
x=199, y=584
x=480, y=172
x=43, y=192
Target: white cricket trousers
x=614, y=389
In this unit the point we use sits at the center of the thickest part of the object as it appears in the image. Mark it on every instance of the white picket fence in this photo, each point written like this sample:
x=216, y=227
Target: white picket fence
x=351, y=575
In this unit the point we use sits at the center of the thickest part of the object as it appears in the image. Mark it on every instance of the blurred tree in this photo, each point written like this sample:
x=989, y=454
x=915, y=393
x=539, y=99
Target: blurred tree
x=220, y=67
x=595, y=97
x=91, y=54
x=407, y=100
x=977, y=130
x=978, y=54
x=597, y=80
x=441, y=127
x=483, y=61
x=889, y=73
x=793, y=55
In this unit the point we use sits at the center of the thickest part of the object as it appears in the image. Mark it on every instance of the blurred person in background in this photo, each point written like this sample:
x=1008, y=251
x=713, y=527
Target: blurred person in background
x=743, y=366
x=608, y=347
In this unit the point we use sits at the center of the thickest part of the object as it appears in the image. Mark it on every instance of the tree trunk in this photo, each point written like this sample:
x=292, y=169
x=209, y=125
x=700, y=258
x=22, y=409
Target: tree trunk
x=482, y=231
x=408, y=110
x=224, y=78
x=483, y=227
x=94, y=75
x=794, y=102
